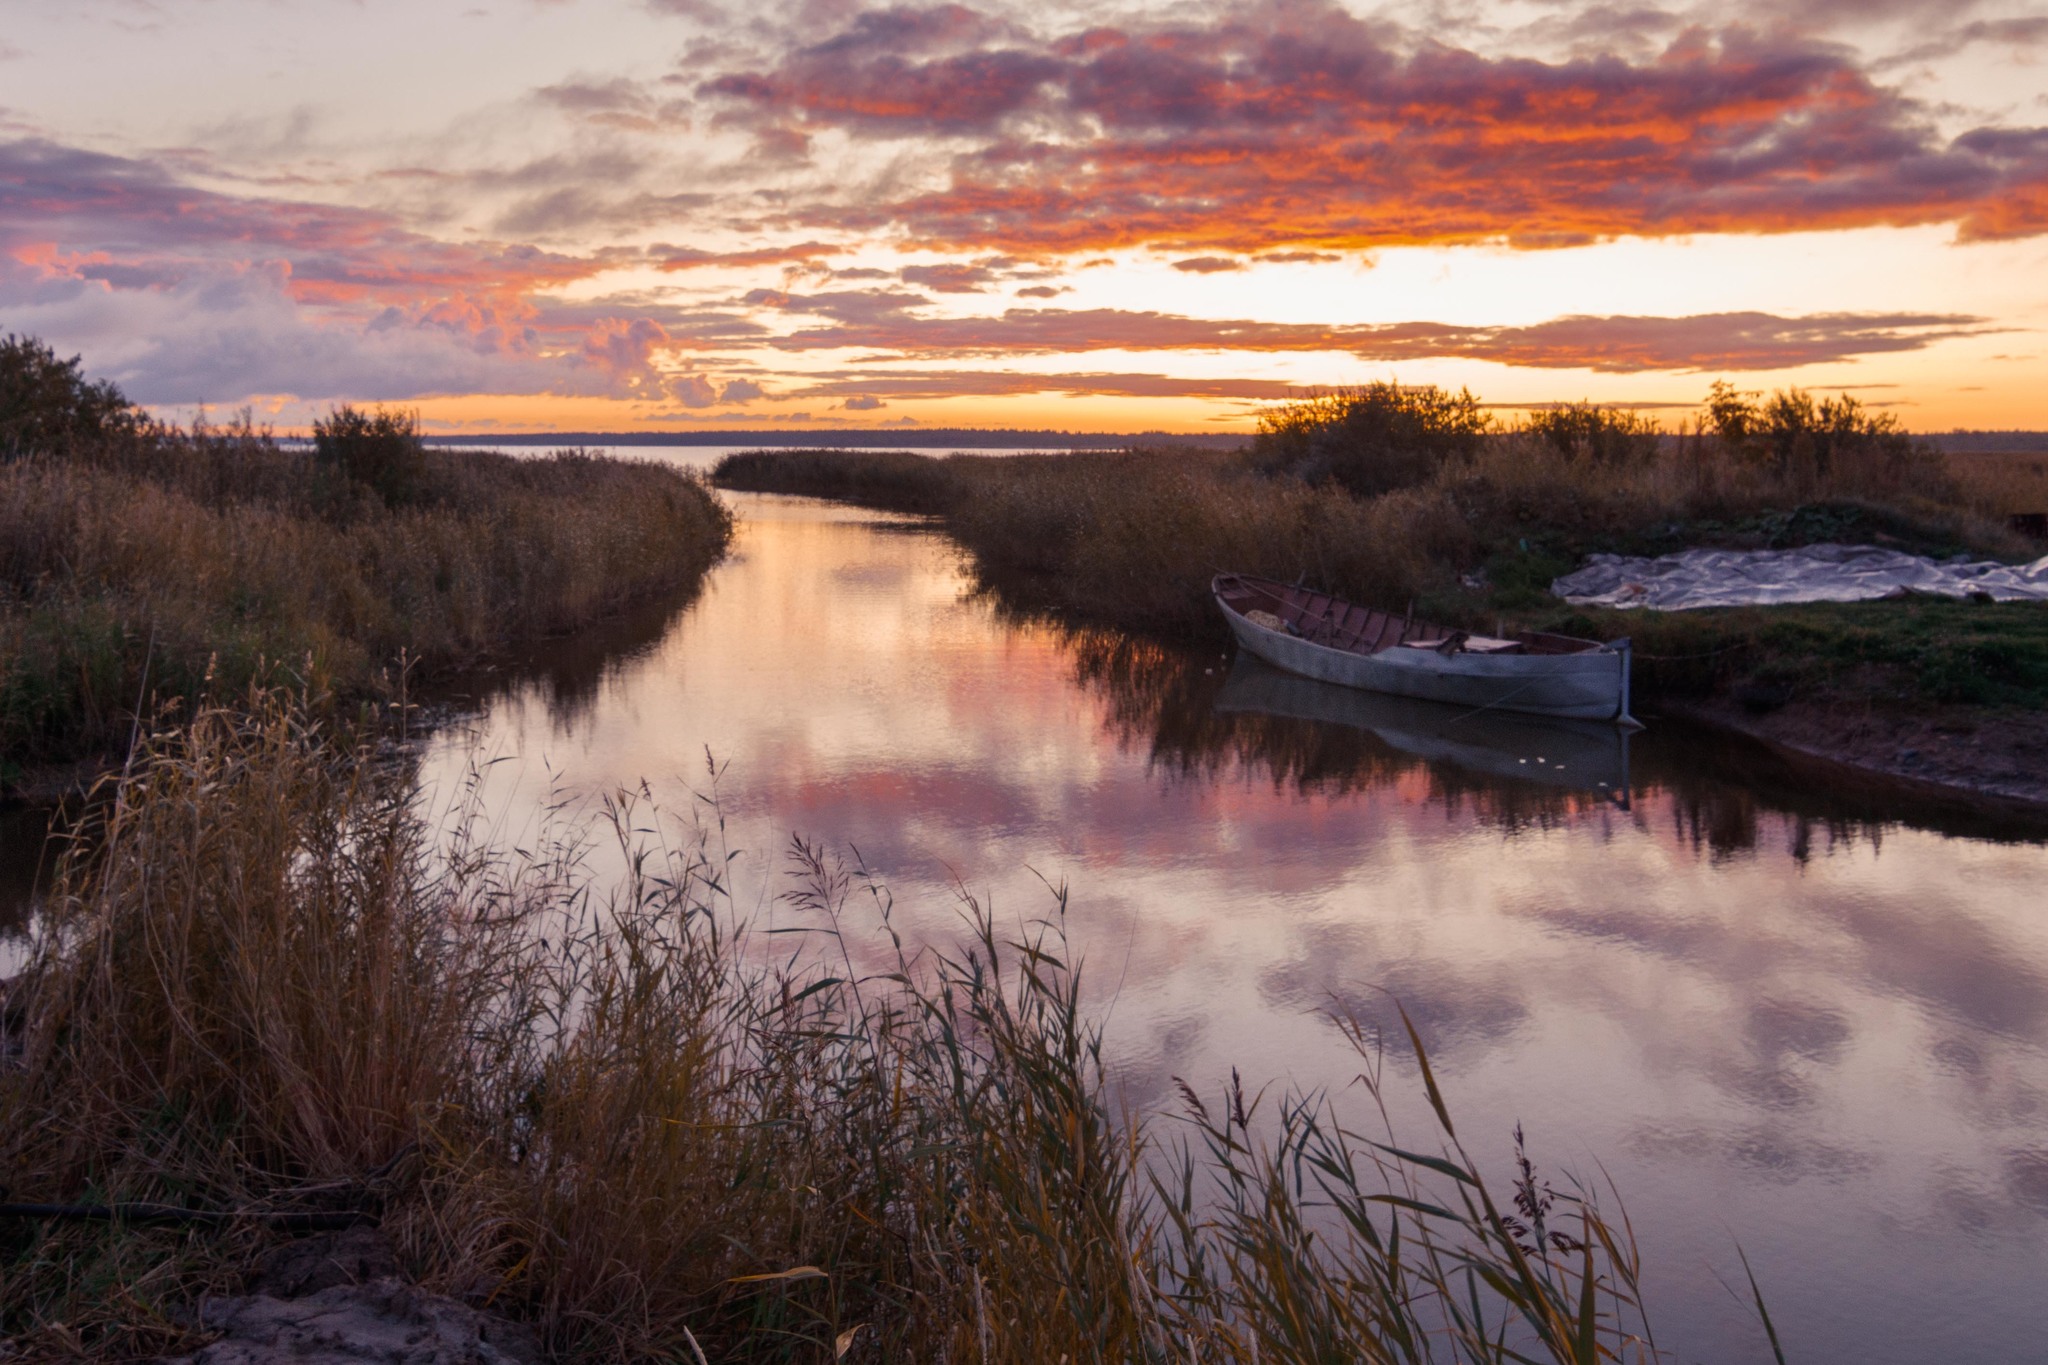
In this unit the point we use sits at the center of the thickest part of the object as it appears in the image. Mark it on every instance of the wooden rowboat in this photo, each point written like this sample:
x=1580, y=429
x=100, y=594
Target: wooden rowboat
x=1582, y=755
x=1327, y=638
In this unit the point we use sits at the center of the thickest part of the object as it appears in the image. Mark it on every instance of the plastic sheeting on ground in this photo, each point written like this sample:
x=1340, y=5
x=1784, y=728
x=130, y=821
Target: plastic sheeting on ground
x=1814, y=573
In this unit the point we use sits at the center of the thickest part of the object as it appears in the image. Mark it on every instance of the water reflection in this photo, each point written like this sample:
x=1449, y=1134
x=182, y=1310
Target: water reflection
x=1788, y=1008
x=1576, y=755
x=1768, y=998
x=1199, y=716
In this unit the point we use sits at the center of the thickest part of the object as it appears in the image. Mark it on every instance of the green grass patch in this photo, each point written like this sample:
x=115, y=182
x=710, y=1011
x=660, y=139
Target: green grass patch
x=1887, y=653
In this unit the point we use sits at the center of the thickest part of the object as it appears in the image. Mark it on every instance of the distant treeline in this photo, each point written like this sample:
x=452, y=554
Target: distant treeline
x=976, y=438
x=935, y=438
x=1989, y=442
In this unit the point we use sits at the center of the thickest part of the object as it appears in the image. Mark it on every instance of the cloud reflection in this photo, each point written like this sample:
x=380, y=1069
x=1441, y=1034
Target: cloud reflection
x=1765, y=1005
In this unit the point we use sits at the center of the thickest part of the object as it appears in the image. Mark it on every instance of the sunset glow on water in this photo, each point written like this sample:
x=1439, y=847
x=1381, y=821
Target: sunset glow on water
x=1771, y=1020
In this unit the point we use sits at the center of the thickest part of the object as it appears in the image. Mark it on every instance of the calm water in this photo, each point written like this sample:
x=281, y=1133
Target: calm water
x=703, y=457
x=1789, y=1015
x=1793, y=1015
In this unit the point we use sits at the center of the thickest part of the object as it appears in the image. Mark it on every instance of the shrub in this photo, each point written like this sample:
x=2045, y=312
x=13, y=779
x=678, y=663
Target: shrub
x=1371, y=440
x=1813, y=441
x=46, y=404
x=381, y=450
x=895, y=479
x=1587, y=431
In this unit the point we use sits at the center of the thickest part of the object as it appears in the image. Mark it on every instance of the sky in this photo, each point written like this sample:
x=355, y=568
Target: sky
x=646, y=215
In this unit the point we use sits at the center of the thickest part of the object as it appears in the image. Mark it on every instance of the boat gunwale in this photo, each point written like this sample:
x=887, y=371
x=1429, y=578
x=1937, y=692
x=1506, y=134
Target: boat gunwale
x=1537, y=644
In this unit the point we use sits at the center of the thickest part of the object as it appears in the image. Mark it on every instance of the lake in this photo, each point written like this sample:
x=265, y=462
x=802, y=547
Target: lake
x=1775, y=1006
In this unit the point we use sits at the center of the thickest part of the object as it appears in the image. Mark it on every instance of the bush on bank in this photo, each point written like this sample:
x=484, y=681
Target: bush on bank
x=48, y=404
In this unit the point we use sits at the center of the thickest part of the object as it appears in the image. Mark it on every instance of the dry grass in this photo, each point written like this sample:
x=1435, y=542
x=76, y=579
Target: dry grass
x=214, y=558
x=619, y=1115
x=2002, y=484
x=1132, y=539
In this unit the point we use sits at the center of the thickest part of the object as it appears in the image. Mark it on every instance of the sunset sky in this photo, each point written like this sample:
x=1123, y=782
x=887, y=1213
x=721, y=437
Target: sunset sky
x=662, y=214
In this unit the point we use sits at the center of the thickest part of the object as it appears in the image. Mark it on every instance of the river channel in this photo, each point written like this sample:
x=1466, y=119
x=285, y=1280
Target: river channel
x=1775, y=1009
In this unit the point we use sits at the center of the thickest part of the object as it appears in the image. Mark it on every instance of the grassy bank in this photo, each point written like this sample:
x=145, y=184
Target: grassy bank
x=138, y=560
x=273, y=989
x=1471, y=523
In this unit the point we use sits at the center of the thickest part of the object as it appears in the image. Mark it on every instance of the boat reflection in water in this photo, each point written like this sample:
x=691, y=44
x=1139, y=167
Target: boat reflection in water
x=1581, y=755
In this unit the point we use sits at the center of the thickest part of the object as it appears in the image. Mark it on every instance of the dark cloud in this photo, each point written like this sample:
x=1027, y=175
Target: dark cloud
x=1291, y=122
x=851, y=308
x=1812, y=15
x=2027, y=32
x=886, y=322
x=114, y=208
x=931, y=384
x=1713, y=341
x=222, y=333
x=1209, y=265
x=575, y=208
x=960, y=278
x=901, y=29
x=692, y=258
x=948, y=69
x=626, y=105
x=1612, y=27
x=692, y=391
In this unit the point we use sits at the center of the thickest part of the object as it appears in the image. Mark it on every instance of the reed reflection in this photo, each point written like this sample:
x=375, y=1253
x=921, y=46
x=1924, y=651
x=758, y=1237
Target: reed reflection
x=1798, y=1007
x=1199, y=716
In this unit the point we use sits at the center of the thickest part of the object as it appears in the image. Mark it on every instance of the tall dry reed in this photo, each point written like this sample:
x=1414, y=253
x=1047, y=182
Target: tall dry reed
x=196, y=562
x=1132, y=539
x=602, y=1104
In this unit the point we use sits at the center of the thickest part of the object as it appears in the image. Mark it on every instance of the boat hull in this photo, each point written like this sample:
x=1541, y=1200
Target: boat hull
x=1588, y=686
x=1586, y=755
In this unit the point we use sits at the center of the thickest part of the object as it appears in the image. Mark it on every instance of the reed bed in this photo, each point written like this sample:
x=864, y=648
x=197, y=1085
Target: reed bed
x=603, y=1105
x=186, y=563
x=1132, y=539
x=1402, y=500
x=2008, y=484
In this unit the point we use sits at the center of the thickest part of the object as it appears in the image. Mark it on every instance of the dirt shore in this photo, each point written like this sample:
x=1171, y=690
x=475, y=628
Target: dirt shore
x=1997, y=756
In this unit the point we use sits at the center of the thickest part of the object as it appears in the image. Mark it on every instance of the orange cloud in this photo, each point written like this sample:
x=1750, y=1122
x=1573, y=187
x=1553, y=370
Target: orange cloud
x=1296, y=124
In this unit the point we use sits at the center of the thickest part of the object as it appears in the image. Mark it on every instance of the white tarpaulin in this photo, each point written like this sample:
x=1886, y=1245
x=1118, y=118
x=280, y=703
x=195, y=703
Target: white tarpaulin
x=1815, y=573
